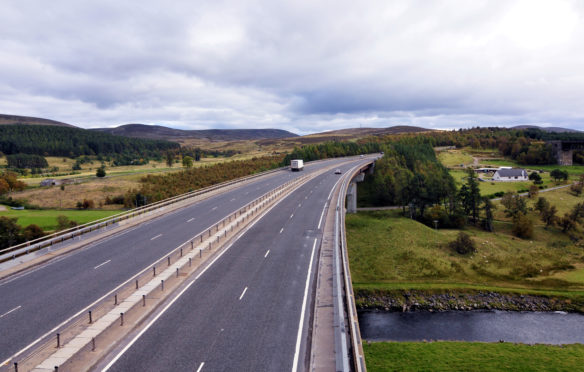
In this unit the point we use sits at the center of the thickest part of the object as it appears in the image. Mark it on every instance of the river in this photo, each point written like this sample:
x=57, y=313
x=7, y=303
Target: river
x=486, y=326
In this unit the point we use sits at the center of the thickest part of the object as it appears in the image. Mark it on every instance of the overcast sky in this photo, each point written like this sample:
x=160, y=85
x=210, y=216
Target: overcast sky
x=303, y=66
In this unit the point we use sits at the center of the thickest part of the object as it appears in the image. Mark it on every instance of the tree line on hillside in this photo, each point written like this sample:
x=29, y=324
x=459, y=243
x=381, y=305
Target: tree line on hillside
x=74, y=142
x=331, y=149
x=524, y=146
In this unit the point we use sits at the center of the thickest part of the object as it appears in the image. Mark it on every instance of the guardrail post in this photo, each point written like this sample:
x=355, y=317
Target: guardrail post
x=136, y=283
x=143, y=300
x=162, y=285
x=168, y=260
x=93, y=344
x=190, y=261
x=90, y=318
x=58, y=340
x=200, y=253
x=121, y=319
x=192, y=245
x=116, y=299
x=15, y=367
x=56, y=368
x=177, y=272
x=201, y=238
x=181, y=252
x=154, y=270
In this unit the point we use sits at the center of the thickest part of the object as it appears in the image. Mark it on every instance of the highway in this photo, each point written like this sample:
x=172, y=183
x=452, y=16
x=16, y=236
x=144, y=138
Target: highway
x=248, y=311
x=35, y=302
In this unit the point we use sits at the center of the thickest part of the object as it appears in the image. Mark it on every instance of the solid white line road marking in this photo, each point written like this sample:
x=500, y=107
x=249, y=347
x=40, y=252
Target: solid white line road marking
x=267, y=253
x=200, y=367
x=191, y=219
x=303, y=310
x=101, y=264
x=282, y=229
x=243, y=293
x=8, y=312
x=156, y=237
x=214, y=208
x=321, y=215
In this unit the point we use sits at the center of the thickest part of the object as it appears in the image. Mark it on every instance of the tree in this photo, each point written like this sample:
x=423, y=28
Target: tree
x=533, y=191
x=187, y=161
x=9, y=232
x=514, y=204
x=558, y=174
x=488, y=207
x=522, y=226
x=548, y=216
x=470, y=196
x=169, y=158
x=100, y=172
x=541, y=204
x=578, y=186
x=63, y=223
x=32, y=232
x=567, y=223
x=536, y=178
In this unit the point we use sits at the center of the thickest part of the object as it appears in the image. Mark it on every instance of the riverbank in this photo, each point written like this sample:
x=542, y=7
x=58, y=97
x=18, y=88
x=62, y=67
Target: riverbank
x=471, y=356
x=465, y=300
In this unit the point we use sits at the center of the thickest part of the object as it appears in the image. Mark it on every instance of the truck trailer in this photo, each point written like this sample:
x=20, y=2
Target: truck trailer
x=296, y=165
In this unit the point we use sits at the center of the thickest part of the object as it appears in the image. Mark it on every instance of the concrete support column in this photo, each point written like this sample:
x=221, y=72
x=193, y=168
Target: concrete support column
x=352, y=198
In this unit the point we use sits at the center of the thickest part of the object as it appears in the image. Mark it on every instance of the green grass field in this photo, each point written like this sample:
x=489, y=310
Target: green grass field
x=471, y=356
x=386, y=249
x=47, y=219
x=453, y=158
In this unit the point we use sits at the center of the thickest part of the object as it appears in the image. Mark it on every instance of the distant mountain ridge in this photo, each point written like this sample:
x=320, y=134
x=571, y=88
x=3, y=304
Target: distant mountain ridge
x=547, y=129
x=29, y=120
x=396, y=129
x=162, y=132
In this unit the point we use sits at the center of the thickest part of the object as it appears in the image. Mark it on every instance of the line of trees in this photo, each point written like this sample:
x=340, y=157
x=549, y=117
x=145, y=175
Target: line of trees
x=73, y=142
x=26, y=161
x=331, y=149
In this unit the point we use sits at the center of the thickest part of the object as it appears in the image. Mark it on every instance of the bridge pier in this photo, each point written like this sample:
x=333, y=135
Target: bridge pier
x=352, y=193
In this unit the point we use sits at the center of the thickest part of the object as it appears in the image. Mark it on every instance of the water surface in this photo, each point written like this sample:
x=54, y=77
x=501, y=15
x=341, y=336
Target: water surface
x=486, y=326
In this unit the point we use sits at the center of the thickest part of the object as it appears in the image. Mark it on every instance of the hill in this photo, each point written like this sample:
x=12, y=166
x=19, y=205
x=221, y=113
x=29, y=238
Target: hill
x=29, y=120
x=73, y=142
x=363, y=132
x=547, y=129
x=165, y=133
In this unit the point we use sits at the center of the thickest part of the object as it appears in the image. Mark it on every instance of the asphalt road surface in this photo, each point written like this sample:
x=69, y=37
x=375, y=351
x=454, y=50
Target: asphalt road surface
x=244, y=312
x=36, y=301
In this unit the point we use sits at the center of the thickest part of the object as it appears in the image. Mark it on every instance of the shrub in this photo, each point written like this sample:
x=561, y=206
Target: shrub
x=100, y=172
x=32, y=232
x=463, y=244
x=522, y=226
x=64, y=223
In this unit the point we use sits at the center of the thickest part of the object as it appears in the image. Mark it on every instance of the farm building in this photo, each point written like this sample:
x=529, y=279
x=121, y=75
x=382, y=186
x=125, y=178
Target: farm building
x=506, y=174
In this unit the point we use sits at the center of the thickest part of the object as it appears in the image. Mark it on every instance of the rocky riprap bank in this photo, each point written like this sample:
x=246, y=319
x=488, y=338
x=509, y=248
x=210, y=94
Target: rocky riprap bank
x=414, y=300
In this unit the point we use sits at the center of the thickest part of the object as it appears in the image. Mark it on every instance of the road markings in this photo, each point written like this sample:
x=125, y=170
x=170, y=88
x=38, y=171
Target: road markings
x=292, y=215
x=200, y=367
x=243, y=293
x=282, y=229
x=8, y=312
x=101, y=264
x=214, y=208
x=230, y=201
x=321, y=215
x=303, y=311
x=191, y=219
x=156, y=237
x=299, y=205
x=267, y=253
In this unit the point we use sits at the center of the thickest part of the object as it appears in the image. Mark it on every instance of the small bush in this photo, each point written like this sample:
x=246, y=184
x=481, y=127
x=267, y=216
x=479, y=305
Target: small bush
x=463, y=244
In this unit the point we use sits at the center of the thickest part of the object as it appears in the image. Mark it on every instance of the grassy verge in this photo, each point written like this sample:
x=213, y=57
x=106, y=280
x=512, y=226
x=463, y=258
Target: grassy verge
x=471, y=356
x=454, y=158
x=386, y=250
x=47, y=219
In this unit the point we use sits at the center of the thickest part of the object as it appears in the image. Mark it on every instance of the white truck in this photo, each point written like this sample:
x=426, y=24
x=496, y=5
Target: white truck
x=296, y=165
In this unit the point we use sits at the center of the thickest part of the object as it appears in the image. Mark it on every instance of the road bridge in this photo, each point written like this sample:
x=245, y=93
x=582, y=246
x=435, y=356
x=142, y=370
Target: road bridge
x=255, y=290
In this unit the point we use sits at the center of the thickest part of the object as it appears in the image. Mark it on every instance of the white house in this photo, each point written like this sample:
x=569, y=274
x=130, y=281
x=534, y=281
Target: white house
x=506, y=175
